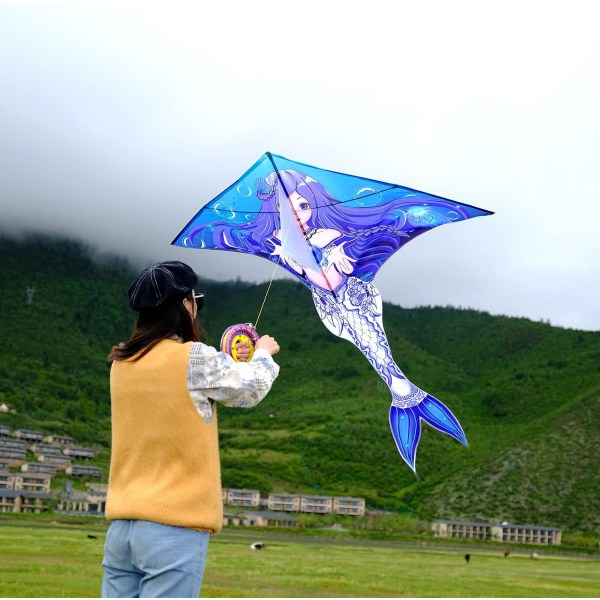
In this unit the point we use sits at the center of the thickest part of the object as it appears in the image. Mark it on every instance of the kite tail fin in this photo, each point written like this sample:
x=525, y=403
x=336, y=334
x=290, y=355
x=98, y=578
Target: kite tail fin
x=405, y=424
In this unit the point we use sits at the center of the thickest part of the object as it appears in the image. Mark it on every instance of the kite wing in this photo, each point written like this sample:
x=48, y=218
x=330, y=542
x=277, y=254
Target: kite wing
x=265, y=213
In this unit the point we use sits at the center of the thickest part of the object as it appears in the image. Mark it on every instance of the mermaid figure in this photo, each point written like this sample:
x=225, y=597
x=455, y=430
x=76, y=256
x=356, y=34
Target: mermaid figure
x=336, y=248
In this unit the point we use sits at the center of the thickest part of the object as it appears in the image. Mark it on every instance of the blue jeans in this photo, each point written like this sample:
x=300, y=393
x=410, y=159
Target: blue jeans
x=143, y=559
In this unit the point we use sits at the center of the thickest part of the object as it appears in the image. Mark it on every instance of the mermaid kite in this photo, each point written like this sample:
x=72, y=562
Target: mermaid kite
x=335, y=246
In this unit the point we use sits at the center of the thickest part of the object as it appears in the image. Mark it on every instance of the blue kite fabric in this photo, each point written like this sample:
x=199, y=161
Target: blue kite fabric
x=334, y=232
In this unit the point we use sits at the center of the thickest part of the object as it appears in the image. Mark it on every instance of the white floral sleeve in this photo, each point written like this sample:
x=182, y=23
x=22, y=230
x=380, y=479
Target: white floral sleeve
x=215, y=376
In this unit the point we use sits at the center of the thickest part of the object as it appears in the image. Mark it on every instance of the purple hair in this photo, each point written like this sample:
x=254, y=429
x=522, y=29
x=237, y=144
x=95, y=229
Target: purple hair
x=369, y=231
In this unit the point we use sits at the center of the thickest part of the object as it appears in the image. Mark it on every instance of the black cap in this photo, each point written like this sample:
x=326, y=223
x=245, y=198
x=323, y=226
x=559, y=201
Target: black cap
x=160, y=285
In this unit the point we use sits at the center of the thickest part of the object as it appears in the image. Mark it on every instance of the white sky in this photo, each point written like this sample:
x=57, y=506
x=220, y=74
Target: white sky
x=118, y=121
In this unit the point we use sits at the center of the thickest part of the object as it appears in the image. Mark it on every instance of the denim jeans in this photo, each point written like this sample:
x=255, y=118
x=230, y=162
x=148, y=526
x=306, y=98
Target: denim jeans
x=143, y=559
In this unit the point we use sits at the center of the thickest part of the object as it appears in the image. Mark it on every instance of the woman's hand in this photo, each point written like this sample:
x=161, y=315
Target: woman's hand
x=242, y=351
x=266, y=342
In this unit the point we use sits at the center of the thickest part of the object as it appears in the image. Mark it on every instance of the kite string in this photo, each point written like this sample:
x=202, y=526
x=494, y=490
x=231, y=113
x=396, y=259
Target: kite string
x=266, y=294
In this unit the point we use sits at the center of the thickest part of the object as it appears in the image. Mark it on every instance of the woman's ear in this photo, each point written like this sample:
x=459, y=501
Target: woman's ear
x=190, y=306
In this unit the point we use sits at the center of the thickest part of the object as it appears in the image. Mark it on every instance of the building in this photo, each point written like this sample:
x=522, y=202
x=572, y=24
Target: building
x=36, y=467
x=29, y=435
x=526, y=534
x=498, y=532
x=285, y=502
x=75, y=502
x=316, y=504
x=349, y=506
x=7, y=480
x=13, y=457
x=32, y=502
x=12, y=444
x=241, y=497
x=10, y=501
x=90, y=502
x=4, y=431
x=22, y=501
x=62, y=440
x=45, y=449
x=97, y=497
x=323, y=505
x=79, y=452
x=267, y=518
x=83, y=470
x=32, y=482
x=28, y=482
x=59, y=461
x=97, y=487
x=231, y=519
x=469, y=530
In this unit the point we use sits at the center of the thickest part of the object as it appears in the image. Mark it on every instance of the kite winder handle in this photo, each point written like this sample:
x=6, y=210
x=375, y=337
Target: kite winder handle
x=243, y=332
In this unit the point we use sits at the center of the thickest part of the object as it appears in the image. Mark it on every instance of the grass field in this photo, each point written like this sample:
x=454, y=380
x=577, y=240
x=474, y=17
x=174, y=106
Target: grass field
x=62, y=561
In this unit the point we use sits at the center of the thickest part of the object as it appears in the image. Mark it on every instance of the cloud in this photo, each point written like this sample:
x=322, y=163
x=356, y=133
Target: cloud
x=119, y=123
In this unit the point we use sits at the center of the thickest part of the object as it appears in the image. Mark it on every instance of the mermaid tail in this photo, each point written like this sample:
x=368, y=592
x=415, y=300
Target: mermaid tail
x=353, y=312
x=405, y=424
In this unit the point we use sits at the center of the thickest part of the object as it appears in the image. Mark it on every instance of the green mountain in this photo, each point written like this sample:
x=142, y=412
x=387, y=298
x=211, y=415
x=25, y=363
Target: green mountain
x=527, y=394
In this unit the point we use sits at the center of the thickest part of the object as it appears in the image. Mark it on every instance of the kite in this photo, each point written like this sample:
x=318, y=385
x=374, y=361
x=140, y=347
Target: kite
x=334, y=231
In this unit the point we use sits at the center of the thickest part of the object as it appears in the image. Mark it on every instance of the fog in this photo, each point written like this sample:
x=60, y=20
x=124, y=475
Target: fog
x=118, y=121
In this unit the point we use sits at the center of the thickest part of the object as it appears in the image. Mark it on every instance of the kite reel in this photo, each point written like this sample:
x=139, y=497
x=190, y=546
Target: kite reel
x=232, y=336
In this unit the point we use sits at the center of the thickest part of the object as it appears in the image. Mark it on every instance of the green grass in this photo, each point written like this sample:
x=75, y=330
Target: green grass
x=50, y=561
x=527, y=394
x=61, y=561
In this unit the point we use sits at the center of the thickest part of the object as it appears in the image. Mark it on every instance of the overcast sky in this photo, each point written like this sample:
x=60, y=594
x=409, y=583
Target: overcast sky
x=118, y=121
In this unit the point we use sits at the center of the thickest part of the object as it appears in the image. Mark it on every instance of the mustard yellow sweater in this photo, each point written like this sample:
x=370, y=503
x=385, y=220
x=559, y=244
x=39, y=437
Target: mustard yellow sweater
x=165, y=459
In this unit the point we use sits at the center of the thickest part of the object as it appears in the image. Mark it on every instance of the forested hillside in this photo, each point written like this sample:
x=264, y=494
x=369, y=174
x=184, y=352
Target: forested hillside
x=527, y=394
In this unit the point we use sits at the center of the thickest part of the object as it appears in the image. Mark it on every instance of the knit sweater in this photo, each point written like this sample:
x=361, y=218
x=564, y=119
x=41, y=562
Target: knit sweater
x=165, y=458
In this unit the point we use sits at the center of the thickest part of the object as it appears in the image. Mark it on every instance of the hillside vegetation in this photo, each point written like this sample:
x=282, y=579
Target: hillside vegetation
x=526, y=393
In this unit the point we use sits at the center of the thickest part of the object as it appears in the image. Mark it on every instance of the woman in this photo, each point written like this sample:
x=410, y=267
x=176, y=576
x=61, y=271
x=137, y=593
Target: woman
x=164, y=494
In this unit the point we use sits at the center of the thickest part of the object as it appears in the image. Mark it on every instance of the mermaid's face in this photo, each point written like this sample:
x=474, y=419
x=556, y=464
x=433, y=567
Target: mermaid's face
x=301, y=207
